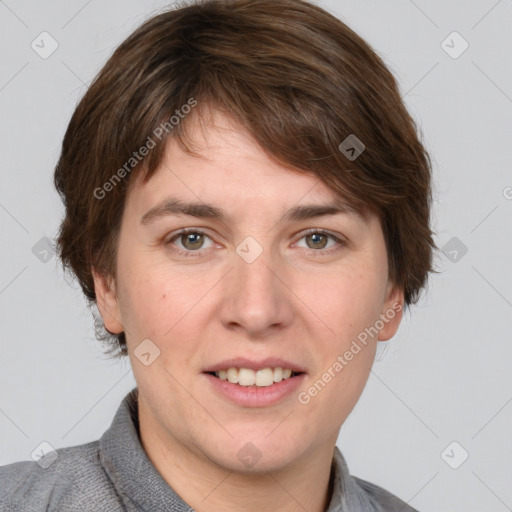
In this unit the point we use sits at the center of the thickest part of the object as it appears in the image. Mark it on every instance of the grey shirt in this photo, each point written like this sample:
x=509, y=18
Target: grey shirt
x=114, y=474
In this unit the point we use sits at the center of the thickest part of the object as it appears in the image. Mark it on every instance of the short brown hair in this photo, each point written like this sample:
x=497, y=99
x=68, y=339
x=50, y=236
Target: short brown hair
x=296, y=77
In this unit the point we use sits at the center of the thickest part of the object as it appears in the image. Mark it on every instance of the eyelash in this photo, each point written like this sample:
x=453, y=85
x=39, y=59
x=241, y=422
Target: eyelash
x=197, y=253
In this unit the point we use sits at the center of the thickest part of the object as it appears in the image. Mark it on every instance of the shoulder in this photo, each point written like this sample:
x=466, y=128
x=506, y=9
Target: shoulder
x=383, y=500
x=70, y=478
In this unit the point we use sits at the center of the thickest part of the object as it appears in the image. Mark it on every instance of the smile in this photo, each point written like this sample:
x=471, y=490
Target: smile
x=259, y=378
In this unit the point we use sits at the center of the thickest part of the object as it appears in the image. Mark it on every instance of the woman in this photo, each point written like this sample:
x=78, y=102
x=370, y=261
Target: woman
x=247, y=204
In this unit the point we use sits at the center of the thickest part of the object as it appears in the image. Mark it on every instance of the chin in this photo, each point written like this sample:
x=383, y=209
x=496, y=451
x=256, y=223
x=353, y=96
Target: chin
x=250, y=460
x=255, y=454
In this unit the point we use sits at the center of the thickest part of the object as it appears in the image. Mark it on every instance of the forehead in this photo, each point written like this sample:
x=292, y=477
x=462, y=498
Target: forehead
x=229, y=172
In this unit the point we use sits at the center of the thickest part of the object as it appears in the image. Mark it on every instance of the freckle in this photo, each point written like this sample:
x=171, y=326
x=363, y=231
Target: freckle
x=163, y=296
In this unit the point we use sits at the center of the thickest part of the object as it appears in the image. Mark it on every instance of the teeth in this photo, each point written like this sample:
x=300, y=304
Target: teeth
x=264, y=377
x=232, y=375
x=247, y=377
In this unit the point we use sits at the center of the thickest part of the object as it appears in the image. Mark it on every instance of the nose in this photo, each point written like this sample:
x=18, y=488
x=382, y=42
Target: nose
x=256, y=300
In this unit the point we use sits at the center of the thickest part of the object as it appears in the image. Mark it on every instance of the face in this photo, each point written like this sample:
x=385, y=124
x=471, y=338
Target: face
x=259, y=288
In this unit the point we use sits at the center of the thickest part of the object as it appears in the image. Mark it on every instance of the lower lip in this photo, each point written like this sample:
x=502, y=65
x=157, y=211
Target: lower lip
x=253, y=396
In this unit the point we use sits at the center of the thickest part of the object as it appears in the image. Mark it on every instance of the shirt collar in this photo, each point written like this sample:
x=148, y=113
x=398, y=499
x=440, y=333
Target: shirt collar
x=138, y=483
x=141, y=487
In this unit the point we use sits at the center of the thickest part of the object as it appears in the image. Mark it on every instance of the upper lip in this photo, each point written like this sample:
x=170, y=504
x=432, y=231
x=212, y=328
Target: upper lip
x=243, y=362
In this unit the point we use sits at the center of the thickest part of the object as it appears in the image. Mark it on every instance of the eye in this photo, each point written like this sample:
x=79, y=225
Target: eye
x=191, y=240
x=317, y=240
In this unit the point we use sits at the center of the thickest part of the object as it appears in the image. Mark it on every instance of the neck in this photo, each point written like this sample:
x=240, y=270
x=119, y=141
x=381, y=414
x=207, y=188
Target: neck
x=204, y=485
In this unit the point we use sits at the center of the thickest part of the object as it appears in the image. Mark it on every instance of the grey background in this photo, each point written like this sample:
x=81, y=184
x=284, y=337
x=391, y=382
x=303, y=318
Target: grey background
x=445, y=376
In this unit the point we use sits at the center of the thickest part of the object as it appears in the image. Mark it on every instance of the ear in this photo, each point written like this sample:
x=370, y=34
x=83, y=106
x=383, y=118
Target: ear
x=392, y=312
x=108, y=302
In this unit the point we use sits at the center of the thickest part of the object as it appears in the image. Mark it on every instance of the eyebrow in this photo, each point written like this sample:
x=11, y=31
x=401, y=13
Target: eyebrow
x=171, y=206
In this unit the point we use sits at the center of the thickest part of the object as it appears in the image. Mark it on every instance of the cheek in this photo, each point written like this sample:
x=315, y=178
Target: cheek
x=153, y=302
x=349, y=303
x=349, y=306
x=157, y=308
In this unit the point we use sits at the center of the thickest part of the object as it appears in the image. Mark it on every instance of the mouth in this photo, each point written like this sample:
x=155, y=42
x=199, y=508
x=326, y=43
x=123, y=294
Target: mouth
x=247, y=377
x=263, y=385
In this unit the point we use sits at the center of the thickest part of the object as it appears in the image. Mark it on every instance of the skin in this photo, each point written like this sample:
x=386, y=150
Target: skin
x=299, y=301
